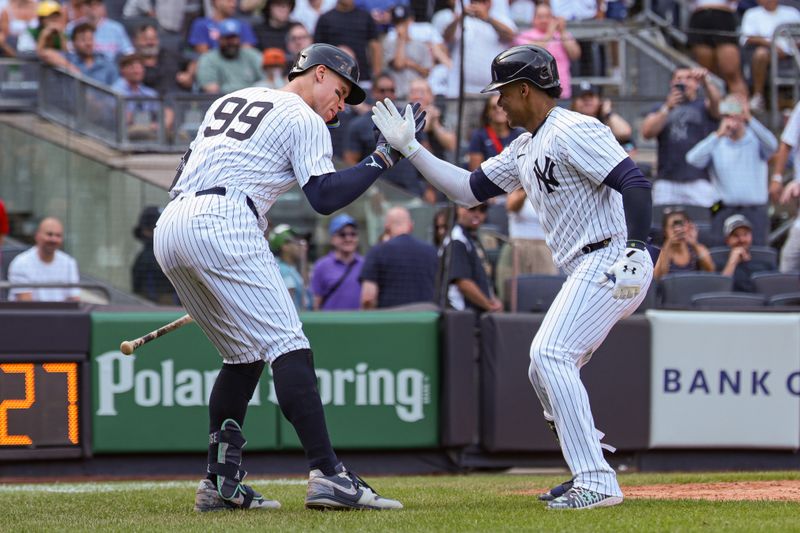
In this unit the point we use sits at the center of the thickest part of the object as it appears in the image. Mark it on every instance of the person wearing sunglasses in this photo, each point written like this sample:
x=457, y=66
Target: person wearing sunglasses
x=334, y=280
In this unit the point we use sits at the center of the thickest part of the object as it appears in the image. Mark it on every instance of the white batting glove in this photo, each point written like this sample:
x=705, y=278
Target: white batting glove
x=398, y=130
x=629, y=273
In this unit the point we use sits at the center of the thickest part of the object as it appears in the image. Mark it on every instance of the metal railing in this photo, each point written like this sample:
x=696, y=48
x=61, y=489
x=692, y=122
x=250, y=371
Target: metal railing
x=784, y=73
x=106, y=293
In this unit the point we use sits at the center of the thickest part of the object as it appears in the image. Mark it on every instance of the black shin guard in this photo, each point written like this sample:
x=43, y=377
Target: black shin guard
x=298, y=397
x=232, y=391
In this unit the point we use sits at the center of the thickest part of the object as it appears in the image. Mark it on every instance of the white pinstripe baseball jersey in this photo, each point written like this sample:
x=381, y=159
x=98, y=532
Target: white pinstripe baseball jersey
x=562, y=167
x=260, y=142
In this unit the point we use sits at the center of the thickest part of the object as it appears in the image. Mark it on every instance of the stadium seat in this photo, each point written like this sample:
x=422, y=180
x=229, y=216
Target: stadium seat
x=719, y=254
x=772, y=283
x=715, y=300
x=788, y=299
x=677, y=289
x=535, y=292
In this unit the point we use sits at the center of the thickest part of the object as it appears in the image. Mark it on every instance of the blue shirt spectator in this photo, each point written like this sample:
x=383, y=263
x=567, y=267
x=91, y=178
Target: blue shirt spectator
x=91, y=63
x=401, y=270
x=110, y=37
x=205, y=32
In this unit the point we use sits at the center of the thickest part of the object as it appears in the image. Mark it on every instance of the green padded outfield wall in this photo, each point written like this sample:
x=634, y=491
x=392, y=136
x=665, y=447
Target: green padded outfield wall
x=378, y=376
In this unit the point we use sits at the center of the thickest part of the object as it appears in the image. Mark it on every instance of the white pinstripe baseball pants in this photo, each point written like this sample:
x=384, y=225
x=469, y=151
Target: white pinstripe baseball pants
x=211, y=249
x=577, y=322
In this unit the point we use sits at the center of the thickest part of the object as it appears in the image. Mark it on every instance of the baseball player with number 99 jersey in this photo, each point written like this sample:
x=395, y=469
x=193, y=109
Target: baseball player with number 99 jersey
x=252, y=146
x=595, y=207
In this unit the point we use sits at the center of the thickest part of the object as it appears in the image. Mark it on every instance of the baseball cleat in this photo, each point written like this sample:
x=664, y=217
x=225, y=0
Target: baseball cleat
x=582, y=498
x=207, y=498
x=344, y=491
x=556, y=491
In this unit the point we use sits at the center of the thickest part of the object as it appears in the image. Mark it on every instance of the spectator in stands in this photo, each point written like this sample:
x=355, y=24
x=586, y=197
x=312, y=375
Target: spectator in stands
x=141, y=116
x=162, y=68
x=406, y=59
x=229, y=67
x=551, y=33
x=307, y=12
x=110, y=37
x=273, y=63
x=44, y=263
x=714, y=43
x=147, y=278
x=16, y=19
x=288, y=249
x=486, y=33
x=789, y=149
x=334, y=280
x=736, y=156
x=205, y=31
x=469, y=275
x=578, y=10
x=492, y=136
x=4, y=225
x=740, y=265
x=271, y=33
x=683, y=120
x=440, y=137
x=589, y=101
x=170, y=14
x=89, y=62
x=758, y=26
x=441, y=219
x=527, y=253
x=348, y=25
x=297, y=38
x=47, y=39
x=401, y=270
x=681, y=252
x=359, y=141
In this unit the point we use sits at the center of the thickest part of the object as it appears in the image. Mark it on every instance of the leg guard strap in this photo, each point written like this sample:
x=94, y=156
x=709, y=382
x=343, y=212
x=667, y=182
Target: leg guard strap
x=230, y=442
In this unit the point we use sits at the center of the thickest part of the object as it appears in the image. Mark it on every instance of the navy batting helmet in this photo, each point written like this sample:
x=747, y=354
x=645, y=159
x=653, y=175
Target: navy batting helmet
x=526, y=62
x=335, y=59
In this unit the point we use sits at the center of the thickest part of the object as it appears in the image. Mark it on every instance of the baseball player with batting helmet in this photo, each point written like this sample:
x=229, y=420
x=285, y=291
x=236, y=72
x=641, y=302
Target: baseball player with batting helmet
x=595, y=207
x=253, y=145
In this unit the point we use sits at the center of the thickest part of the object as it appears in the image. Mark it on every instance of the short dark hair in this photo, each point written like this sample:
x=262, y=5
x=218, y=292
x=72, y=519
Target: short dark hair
x=83, y=27
x=127, y=59
x=144, y=27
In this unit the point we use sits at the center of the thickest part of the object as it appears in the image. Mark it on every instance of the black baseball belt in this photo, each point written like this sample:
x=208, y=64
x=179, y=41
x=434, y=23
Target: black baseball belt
x=589, y=248
x=221, y=191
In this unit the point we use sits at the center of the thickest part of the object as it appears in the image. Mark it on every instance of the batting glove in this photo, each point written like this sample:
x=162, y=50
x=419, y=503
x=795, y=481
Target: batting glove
x=629, y=273
x=385, y=151
x=399, y=131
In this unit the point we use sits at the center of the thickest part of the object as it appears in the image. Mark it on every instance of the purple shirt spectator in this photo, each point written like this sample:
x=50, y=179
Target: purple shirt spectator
x=327, y=272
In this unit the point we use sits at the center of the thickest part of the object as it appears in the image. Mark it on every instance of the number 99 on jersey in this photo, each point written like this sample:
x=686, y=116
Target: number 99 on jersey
x=40, y=407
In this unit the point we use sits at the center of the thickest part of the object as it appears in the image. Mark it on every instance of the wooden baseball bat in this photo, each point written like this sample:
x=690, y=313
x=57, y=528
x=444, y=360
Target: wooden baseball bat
x=127, y=347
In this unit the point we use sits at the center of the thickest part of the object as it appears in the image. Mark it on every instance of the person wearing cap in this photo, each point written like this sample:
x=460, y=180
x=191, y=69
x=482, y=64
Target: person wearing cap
x=273, y=63
x=406, y=58
x=588, y=100
x=289, y=251
x=740, y=265
x=147, y=278
x=48, y=37
x=205, y=31
x=334, y=279
x=551, y=33
x=230, y=66
x=736, y=157
x=110, y=37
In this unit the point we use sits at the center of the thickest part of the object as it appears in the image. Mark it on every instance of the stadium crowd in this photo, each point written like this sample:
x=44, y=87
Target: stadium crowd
x=720, y=172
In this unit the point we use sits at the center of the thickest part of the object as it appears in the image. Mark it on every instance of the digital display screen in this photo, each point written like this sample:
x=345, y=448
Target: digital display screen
x=39, y=405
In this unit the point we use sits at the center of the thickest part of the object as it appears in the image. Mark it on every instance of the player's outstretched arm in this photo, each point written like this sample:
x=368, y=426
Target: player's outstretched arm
x=333, y=191
x=458, y=184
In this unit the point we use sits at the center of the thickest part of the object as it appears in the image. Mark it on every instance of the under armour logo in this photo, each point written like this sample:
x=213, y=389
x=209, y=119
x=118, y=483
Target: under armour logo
x=632, y=270
x=373, y=163
x=546, y=176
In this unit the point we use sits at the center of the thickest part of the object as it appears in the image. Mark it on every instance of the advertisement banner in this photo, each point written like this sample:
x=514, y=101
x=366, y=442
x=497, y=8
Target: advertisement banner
x=725, y=380
x=377, y=374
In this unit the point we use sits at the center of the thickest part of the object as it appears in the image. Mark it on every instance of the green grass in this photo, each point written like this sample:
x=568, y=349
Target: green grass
x=433, y=503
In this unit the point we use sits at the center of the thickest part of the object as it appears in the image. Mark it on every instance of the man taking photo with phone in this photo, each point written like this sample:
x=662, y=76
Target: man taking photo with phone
x=689, y=113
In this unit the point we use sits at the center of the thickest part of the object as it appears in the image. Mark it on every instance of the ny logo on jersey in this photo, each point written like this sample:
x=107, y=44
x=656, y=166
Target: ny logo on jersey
x=546, y=176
